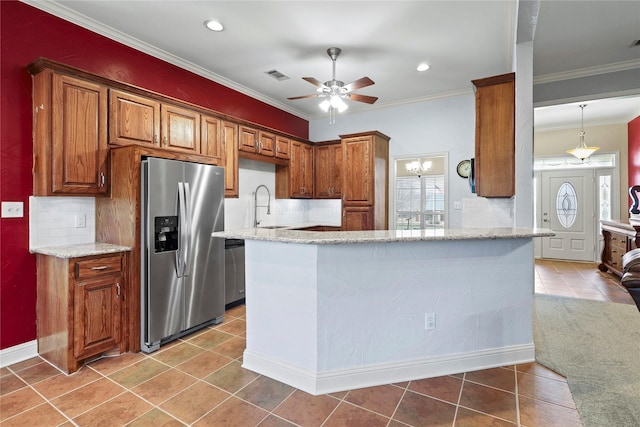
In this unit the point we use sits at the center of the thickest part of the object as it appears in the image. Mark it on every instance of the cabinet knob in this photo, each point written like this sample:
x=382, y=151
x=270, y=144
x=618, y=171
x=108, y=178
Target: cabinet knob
x=156, y=140
x=101, y=179
x=165, y=141
x=118, y=288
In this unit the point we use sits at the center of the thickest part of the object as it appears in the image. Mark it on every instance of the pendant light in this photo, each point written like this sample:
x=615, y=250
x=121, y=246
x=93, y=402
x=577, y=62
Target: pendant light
x=582, y=151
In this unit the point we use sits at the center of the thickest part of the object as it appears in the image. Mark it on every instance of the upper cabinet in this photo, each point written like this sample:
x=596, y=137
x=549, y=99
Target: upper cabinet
x=282, y=147
x=70, y=135
x=495, y=136
x=295, y=179
x=254, y=141
x=135, y=119
x=229, y=131
x=327, y=159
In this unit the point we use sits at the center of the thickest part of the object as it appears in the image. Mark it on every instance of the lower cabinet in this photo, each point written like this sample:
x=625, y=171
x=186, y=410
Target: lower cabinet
x=79, y=307
x=357, y=218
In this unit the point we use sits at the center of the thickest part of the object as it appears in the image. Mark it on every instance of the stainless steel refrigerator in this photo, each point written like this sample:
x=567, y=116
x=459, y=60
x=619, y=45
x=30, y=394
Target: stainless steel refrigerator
x=182, y=282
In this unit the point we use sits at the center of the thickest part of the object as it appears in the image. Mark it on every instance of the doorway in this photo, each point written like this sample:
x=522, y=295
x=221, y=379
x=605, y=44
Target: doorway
x=571, y=198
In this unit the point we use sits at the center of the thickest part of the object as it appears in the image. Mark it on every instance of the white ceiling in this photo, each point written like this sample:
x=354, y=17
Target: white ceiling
x=384, y=40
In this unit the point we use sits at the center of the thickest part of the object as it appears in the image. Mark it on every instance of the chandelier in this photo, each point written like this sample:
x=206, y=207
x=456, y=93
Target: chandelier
x=418, y=168
x=582, y=151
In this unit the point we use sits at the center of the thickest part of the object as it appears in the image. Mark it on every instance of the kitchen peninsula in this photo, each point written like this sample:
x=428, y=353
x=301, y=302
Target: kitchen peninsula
x=330, y=311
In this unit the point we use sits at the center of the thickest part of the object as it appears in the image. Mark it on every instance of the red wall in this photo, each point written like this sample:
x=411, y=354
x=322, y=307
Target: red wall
x=28, y=33
x=634, y=153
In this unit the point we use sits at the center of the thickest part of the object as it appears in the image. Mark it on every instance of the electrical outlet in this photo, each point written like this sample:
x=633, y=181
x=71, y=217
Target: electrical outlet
x=81, y=220
x=429, y=321
x=457, y=205
x=12, y=209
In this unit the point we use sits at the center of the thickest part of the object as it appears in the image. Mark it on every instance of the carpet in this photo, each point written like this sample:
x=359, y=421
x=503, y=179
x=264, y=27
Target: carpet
x=596, y=346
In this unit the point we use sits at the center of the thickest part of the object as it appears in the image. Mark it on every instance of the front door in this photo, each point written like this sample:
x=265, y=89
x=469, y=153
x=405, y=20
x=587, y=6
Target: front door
x=568, y=208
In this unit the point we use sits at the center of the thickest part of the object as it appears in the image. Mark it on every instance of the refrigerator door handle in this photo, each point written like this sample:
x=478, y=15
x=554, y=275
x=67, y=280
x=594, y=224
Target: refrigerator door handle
x=187, y=234
x=182, y=224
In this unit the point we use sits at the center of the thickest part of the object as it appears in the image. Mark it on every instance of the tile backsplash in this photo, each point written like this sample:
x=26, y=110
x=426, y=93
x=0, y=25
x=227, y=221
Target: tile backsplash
x=55, y=221
x=481, y=212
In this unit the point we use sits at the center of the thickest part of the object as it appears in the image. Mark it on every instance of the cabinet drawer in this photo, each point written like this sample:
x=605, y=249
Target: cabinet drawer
x=97, y=266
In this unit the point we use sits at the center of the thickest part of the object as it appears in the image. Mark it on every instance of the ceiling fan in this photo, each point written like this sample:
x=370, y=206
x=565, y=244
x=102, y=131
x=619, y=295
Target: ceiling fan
x=335, y=91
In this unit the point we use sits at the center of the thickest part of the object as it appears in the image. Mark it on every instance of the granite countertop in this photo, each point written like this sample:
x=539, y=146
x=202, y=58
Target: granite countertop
x=79, y=250
x=287, y=235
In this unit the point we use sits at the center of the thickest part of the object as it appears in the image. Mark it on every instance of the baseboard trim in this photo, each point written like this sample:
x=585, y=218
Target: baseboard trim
x=346, y=379
x=18, y=353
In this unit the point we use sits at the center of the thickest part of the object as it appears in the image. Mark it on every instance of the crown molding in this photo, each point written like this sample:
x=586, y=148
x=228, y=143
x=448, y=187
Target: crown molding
x=587, y=72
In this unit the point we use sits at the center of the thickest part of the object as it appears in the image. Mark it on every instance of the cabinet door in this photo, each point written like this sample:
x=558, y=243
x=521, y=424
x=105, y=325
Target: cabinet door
x=356, y=218
x=357, y=173
x=322, y=181
x=282, y=147
x=267, y=144
x=301, y=170
x=230, y=143
x=211, y=143
x=133, y=119
x=335, y=178
x=248, y=140
x=495, y=136
x=180, y=129
x=78, y=137
x=97, y=318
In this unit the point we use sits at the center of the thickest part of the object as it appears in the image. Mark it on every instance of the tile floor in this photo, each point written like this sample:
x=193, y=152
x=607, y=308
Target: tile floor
x=199, y=381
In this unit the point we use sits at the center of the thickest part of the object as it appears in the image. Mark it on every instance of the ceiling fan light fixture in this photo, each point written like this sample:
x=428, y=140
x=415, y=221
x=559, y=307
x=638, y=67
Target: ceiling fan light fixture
x=213, y=25
x=337, y=102
x=324, y=105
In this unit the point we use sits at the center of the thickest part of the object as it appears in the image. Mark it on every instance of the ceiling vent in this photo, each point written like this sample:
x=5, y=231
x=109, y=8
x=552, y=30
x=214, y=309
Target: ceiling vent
x=635, y=43
x=277, y=75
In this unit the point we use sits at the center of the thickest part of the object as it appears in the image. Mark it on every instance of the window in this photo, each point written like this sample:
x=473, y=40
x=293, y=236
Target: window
x=420, y=199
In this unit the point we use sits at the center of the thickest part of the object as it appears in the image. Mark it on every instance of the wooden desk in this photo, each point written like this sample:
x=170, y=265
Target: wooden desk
x=619, y=238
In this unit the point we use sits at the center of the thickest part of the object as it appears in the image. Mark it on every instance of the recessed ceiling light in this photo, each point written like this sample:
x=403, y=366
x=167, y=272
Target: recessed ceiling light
x=423, y=67
x=213, y=25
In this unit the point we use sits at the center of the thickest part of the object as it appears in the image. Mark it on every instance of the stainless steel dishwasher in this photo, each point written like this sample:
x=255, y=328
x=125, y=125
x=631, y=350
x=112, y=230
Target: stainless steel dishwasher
x=234, y=271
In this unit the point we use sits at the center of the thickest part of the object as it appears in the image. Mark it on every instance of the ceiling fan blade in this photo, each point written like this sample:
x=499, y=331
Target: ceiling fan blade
x=360, y=83
x=315, y=95
x=363, y=98
x=314, y=81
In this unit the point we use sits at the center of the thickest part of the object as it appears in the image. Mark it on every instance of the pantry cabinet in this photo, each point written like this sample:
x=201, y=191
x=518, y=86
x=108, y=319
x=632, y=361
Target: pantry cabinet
x=79, y=307
x=328, y=169
x=70, y=135
x=494, y=165
x=365, y=180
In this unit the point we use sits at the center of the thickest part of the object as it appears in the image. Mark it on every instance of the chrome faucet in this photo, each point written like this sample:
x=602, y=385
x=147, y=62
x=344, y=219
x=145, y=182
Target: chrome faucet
x=255, y=204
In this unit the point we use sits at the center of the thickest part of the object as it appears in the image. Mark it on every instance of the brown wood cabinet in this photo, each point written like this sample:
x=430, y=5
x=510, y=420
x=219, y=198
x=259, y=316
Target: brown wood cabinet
x=255, y=141
x=229, y=137
x=282, y=147
x=70, y=135
x=136, y=119
x=133, y=119
x=180, y=129
x=365, y=180
x=619, y=238
x=79, y=307
x=327, y=160
x=301, y=166
x=495, y=136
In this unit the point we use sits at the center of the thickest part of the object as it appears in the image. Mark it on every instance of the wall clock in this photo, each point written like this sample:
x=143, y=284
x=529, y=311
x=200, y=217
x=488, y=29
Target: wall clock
x=464, y=168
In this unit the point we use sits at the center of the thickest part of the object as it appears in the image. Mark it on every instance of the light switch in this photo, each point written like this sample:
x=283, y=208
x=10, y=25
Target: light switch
x=12, y=209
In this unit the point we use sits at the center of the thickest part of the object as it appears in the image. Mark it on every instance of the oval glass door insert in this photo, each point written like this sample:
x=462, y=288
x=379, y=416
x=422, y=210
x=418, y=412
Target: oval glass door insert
x=567, y=204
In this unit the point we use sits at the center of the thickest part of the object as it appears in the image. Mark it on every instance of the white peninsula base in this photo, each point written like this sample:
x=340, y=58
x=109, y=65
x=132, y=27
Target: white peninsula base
x=330, y=317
